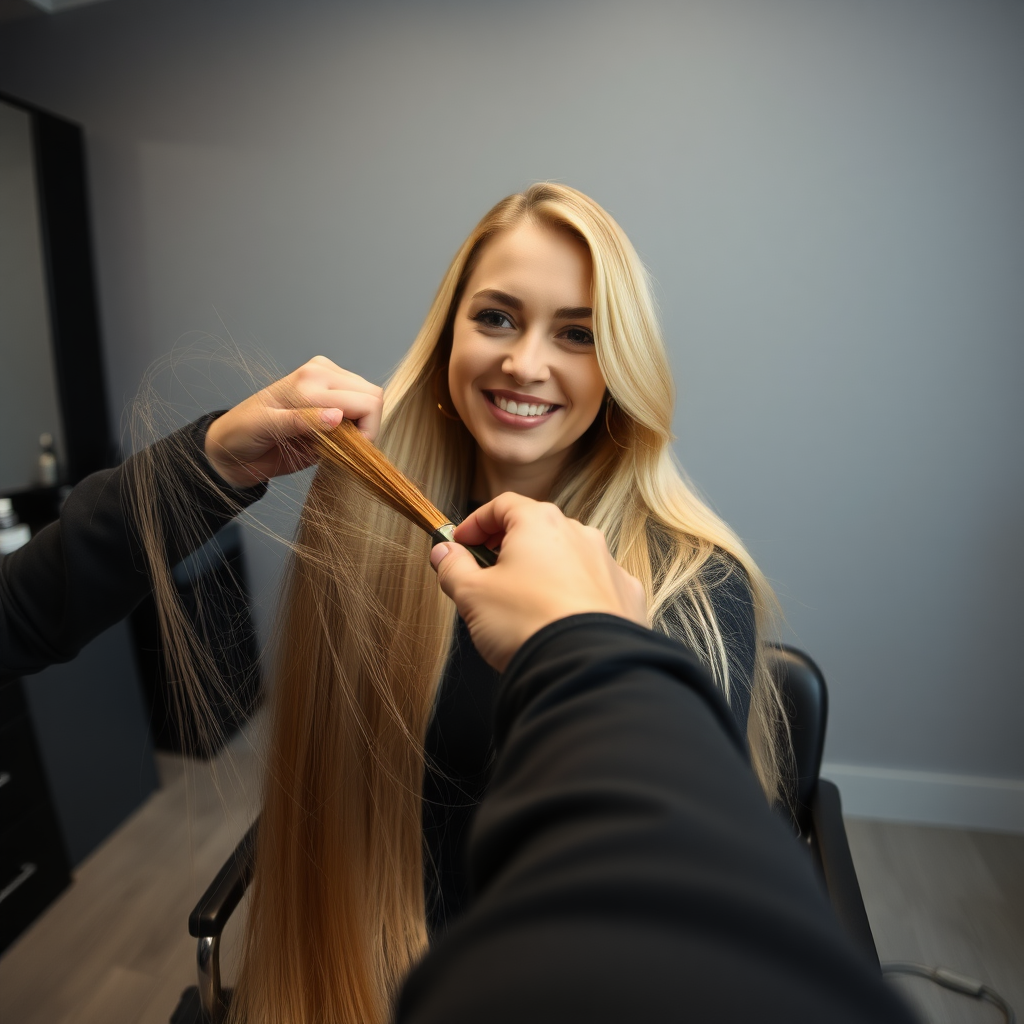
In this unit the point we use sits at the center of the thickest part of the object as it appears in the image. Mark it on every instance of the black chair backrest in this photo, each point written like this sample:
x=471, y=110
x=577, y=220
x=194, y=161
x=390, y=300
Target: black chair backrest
x=805, y=698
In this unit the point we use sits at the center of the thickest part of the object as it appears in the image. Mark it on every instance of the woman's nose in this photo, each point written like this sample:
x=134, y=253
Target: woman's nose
x=526, y=361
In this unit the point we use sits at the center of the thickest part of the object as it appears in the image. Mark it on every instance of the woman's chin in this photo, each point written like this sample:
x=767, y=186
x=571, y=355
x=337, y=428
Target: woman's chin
x=514, y=453
x=511, y=464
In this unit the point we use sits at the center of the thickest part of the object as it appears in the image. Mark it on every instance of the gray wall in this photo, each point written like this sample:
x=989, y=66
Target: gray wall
x=829, y=195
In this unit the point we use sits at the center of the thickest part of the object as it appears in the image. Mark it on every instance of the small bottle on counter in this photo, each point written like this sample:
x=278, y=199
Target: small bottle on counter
x=48, y=471
x=12, y=533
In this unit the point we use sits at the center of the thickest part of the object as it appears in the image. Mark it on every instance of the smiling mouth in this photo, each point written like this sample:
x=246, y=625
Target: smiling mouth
x=520, y=408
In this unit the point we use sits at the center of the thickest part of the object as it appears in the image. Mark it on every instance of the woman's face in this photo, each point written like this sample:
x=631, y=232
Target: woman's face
x=523, y=373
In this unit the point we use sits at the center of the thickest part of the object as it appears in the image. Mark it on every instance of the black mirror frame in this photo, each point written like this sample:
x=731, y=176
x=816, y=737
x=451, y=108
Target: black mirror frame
x=61, y=183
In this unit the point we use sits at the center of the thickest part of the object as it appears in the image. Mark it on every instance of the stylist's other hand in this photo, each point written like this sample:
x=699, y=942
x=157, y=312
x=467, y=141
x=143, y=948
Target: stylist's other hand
x=262, y=437
x=549, y=567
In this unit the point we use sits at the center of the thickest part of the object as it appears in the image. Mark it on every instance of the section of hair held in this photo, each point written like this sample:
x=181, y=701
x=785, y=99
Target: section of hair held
x=336, y=917
x=169, y=526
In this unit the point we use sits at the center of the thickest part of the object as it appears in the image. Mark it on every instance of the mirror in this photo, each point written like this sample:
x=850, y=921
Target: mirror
x=29, y=403
x=51, y=365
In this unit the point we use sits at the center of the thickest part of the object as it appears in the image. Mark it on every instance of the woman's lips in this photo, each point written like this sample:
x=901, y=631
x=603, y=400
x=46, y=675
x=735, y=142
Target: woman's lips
x=515, y=419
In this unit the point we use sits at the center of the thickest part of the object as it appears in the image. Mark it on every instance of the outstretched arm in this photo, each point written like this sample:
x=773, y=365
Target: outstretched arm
x=86, y=571
x=625, y=863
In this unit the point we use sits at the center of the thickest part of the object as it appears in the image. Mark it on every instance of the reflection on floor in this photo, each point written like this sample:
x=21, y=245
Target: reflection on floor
x=114, y=949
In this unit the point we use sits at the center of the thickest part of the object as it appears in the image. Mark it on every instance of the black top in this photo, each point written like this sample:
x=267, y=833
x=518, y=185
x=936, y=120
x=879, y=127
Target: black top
x=626, y=864
x=460, y=740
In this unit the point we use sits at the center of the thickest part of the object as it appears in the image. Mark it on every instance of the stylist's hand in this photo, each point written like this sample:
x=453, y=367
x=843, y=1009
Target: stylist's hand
x=549, y=567
x=261, y=437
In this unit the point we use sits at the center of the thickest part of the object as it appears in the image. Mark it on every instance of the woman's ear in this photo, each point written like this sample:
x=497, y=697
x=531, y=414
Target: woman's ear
x=442, y=395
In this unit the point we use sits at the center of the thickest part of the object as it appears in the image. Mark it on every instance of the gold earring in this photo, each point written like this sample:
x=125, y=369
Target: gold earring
x=440, y=404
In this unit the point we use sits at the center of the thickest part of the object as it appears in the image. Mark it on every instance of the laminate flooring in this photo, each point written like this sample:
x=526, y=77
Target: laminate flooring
x=945, y=898
x=115, y=947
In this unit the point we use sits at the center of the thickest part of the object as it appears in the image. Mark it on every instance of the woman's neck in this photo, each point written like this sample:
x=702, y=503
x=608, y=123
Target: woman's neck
x=534, y=480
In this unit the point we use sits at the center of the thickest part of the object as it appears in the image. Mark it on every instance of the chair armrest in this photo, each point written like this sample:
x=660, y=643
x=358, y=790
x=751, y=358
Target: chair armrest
x=223, y=894
x=833, y=851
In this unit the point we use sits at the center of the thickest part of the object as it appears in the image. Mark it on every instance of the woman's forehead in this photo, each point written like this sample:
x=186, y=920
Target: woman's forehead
x=537, y=263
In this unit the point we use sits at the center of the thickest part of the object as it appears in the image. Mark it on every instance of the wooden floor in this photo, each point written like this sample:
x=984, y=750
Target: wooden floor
x=114, y=949
x=946, y=898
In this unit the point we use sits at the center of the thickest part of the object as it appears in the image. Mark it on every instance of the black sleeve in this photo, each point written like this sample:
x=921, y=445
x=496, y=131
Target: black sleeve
x=86, y=571
x=627, y=867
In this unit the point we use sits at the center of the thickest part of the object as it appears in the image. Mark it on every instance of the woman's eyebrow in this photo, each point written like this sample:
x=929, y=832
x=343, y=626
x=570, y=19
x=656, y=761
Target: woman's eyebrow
x=573, y=313
x=562, y=313
x=503, y=297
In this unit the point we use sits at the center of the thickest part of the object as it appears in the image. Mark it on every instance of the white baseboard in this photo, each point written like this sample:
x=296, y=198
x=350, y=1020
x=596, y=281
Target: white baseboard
x=929, y=798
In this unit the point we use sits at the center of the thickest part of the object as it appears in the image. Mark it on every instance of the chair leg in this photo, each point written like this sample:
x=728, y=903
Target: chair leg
x=833, y=852
x=208, y=963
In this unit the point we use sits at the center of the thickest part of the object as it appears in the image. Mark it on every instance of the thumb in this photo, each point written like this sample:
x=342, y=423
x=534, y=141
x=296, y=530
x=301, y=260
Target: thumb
x=455, y=566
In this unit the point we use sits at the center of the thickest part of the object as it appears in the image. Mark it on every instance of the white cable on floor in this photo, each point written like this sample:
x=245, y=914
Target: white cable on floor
x=951, y=980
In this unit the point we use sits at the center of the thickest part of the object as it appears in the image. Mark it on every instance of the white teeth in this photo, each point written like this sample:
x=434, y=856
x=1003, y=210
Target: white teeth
x=521, y=408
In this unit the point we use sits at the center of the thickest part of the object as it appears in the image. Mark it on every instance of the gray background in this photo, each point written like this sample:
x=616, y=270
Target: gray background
x=829, y=195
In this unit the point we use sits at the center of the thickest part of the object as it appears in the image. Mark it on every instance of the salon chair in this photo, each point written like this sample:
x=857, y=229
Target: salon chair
x=815, y=814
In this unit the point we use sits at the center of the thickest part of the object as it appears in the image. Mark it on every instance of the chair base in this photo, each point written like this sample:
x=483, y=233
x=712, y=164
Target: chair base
x=190, y=1008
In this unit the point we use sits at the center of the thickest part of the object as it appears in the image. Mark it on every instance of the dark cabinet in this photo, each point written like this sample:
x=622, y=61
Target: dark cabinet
x=34, y=866
x=90, y=721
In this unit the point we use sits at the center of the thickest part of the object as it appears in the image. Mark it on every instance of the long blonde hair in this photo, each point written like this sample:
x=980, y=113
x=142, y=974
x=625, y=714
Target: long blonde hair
x=337, y=905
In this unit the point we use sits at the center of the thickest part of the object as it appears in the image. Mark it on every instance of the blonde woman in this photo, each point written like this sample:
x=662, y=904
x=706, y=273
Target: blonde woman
x=540, y=369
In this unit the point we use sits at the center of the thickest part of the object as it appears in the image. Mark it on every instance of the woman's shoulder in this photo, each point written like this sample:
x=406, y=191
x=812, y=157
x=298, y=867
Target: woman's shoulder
x=727, y=581
x=724, y=583
x=720, y=586
x=719, y=570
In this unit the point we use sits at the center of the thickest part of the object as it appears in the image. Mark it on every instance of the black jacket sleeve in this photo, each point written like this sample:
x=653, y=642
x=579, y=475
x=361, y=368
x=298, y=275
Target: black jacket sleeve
x=83, y=573
x=626, y=865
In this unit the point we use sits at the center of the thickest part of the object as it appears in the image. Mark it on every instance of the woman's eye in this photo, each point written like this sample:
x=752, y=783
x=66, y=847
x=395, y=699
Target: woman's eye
x=578, y=336
x=493, y=318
